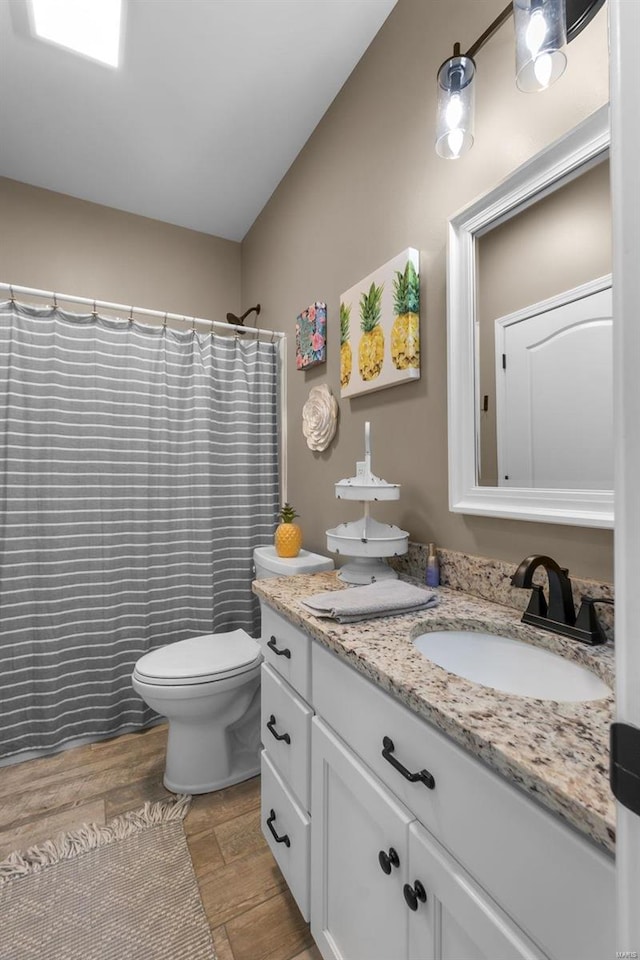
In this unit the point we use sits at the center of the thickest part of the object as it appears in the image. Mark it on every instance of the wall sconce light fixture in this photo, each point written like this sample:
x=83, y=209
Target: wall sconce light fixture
x=543, y=28
x=541, y=34
x=454, y=125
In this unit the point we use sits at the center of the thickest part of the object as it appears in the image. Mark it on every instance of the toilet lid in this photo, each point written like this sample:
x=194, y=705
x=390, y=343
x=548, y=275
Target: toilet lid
x=214, y=656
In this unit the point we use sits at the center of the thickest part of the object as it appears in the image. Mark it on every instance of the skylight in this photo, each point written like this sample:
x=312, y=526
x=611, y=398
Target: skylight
x=89, y=27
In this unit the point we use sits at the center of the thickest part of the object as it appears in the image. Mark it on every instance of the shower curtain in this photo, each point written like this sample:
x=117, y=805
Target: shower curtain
x=139, y=470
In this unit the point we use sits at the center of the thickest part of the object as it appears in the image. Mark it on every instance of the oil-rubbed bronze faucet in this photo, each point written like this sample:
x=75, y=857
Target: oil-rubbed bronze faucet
x=559, y=615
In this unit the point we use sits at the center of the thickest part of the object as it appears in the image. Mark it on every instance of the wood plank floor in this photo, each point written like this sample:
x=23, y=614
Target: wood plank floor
x=250, y=910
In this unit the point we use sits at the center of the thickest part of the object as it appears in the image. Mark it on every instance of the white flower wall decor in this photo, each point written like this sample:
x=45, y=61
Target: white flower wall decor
x=320, y=417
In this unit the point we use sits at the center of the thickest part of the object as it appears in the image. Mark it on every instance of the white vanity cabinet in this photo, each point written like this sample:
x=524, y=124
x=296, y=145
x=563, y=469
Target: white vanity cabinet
x=286, y=739
x=357, y=908
x=451, y=916
x=382, y=887
x=503, y=878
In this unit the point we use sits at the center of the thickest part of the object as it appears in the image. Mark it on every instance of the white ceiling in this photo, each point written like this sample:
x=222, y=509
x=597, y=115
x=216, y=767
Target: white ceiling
x=213, y=101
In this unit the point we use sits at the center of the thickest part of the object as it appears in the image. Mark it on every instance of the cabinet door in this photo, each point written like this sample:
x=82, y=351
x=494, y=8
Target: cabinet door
x=286, y=829
x=286, y=733
x=287, y=649
x=357, y=909
x=457, y=919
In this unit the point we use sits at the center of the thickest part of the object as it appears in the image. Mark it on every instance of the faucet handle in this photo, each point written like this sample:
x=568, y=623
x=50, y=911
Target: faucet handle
x=588, y=620
x=537, y=602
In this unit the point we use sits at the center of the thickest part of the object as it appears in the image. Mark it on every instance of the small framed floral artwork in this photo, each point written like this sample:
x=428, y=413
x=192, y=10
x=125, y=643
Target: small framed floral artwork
x=380, y=328
x=311, y=336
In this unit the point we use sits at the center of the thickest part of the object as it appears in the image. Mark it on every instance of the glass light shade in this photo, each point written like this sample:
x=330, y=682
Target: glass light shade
x=541, y=35
x=454, y=122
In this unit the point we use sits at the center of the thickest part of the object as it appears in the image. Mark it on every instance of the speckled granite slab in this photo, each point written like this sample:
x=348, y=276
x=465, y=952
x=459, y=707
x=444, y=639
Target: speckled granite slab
x=556, y=752
x=491, y=579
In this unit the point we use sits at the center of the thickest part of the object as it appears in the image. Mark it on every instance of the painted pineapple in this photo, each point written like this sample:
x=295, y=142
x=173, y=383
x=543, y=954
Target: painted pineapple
x=346, y=359
x=371, y=349
x=405, y=333
x=288, y=539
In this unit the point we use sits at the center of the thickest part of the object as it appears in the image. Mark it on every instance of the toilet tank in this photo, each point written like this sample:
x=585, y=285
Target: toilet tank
x=267, y=563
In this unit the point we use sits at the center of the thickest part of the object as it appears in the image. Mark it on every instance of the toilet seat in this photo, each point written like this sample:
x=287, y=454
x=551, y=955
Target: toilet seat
x=205, y=659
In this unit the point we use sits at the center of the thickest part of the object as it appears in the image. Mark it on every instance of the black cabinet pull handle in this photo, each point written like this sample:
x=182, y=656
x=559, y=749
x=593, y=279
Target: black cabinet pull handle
x=423, y=776
x=271, y=727
x=413, y=894
x=283, y=839
x=388, y=860
x=285, y=652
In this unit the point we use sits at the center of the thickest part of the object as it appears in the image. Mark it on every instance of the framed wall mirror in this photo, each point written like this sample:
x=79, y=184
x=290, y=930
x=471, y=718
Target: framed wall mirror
x=530, y=330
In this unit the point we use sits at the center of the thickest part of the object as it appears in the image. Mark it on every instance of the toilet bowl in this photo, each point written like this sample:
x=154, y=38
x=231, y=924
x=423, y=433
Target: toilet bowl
x=208, y=688
x=205, y=686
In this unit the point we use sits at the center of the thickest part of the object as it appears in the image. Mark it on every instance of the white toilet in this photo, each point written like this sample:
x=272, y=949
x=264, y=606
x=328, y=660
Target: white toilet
x=208, y=688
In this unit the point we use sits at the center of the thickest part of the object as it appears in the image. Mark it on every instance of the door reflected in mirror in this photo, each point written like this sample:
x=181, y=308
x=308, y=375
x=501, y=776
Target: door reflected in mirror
x=529, y=339
x=543, y=338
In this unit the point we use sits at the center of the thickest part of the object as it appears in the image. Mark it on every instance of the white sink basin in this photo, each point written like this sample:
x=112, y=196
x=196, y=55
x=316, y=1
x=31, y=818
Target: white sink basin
x=510, y=666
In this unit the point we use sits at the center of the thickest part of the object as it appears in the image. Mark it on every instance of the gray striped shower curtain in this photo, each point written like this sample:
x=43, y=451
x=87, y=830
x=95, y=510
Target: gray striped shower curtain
x=139, y=470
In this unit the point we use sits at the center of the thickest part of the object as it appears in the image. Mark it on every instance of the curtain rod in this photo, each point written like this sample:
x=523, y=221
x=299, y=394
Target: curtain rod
x=142, y=311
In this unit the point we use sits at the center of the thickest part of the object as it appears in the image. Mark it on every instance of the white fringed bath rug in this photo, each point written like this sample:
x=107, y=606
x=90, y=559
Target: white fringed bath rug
x=125, y=891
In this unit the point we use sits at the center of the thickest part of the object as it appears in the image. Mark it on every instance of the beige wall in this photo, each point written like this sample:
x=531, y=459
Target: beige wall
x=366, y=186
x=558, y=243
x=54, y=242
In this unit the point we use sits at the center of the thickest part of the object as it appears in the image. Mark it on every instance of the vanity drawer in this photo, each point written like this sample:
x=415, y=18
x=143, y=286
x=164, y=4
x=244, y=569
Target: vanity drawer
x=490, y=826
x=288, y=650
x=287, y=830
x=286, y=733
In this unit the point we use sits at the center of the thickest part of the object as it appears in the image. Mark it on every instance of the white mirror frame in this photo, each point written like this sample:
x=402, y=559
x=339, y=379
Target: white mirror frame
x=559, y=163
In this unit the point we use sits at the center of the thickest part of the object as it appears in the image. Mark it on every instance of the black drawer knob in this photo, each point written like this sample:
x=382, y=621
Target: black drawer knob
x=284, y=838
x=285, y=652
x=388, y=860
x=422, y=776
x=271, y=727
x=414, y=894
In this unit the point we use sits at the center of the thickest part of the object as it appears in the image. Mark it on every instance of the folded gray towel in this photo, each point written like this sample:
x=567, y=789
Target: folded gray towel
x=386, y=598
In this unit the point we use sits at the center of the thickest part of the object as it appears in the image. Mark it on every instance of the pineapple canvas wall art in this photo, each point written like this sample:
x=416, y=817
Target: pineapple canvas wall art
x=346, y=355
x=311, y=336
x=380, y=327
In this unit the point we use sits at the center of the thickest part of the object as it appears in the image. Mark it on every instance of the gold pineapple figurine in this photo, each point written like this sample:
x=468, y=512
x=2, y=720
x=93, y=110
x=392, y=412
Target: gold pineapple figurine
x=288, y=538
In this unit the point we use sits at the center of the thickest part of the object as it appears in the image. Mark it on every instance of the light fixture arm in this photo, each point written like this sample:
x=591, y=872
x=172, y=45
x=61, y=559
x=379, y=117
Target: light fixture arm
x=489, y=32
x=542, y=30
x=579, y=14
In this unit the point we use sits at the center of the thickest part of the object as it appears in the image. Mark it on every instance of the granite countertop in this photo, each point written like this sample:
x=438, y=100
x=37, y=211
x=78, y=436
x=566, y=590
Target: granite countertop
x=556, y=752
